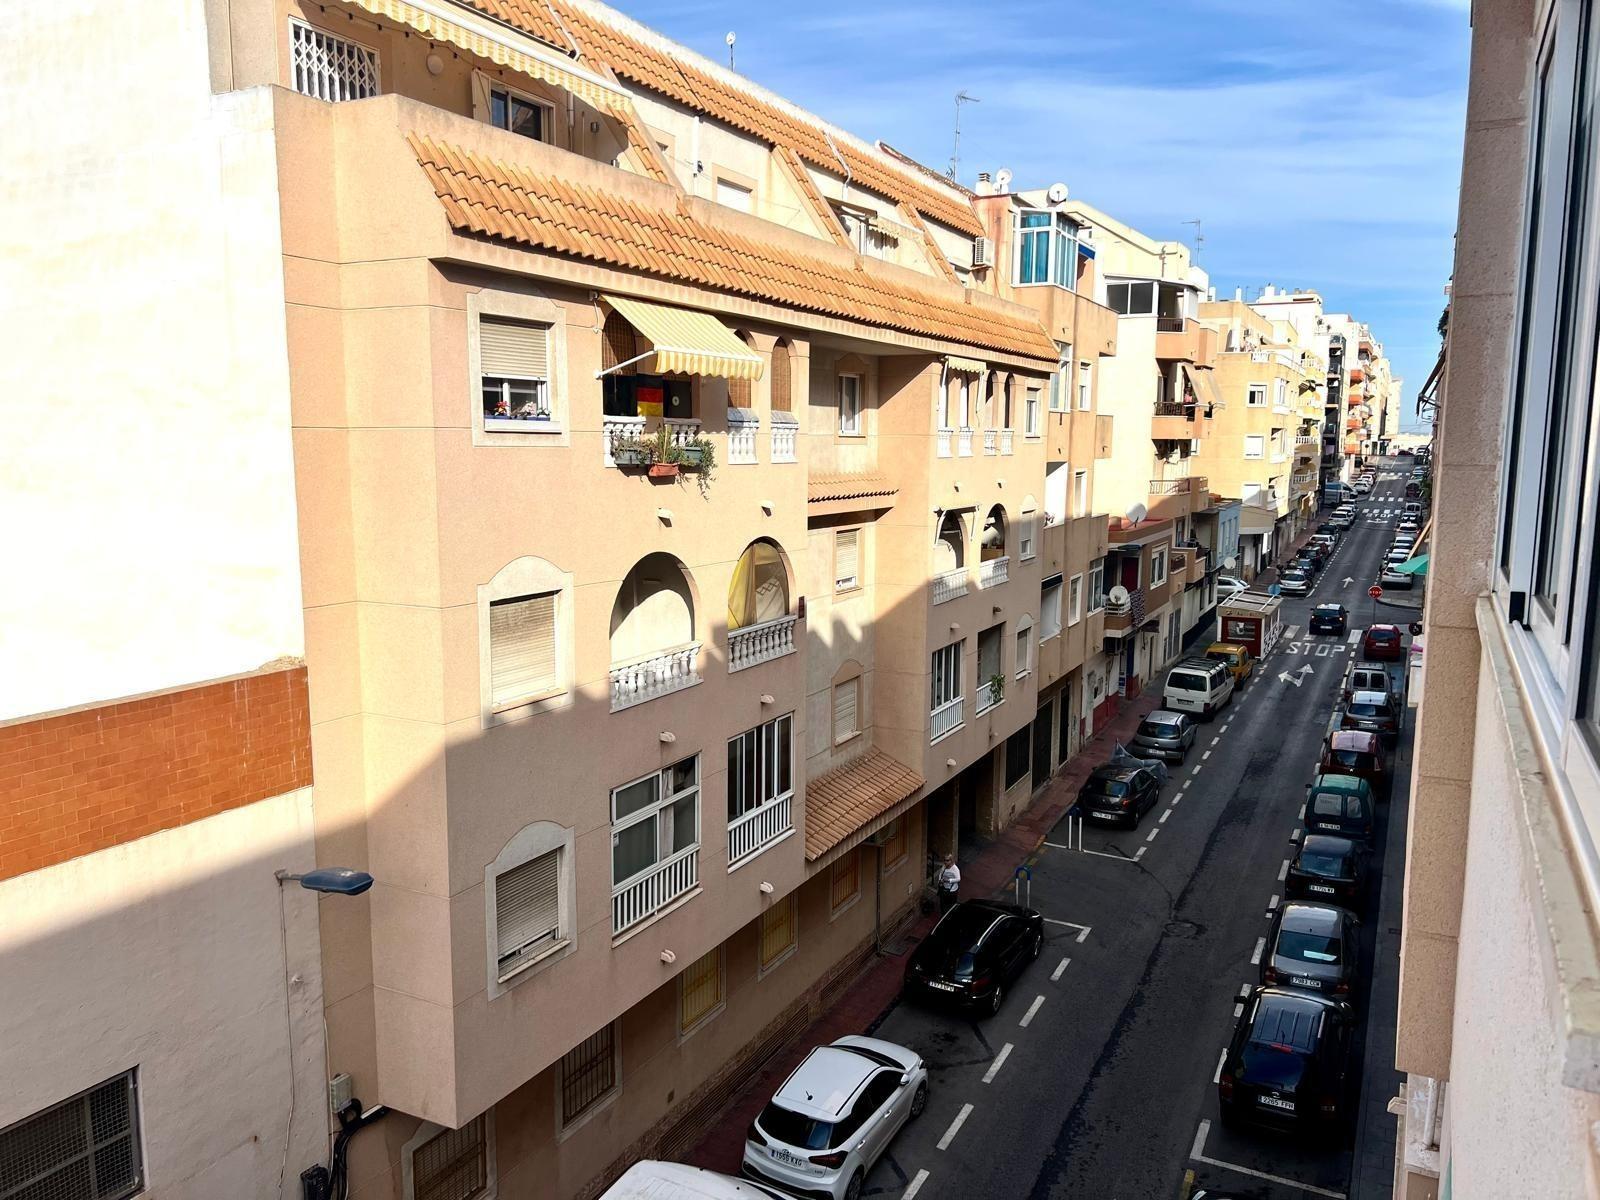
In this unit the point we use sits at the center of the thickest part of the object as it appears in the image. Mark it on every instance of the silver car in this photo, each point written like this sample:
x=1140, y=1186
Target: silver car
x=1312, y=946
x=1164, y=734
x=835, y=1116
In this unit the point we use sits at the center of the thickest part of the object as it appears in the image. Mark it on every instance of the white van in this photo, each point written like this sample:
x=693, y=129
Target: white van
x=650, y=1180
x=1198, y=685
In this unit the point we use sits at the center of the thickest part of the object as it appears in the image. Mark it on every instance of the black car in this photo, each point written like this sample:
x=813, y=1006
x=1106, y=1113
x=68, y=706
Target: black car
x=1330, y=618
x=1113, y=794
x=1312, y=947
x=1327, y=867
x=1371, y=712
x=1316, y=553
x=1288, y=1063
x=974, y=951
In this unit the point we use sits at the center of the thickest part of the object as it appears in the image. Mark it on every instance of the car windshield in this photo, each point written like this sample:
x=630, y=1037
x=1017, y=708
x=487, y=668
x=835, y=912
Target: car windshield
x=1158, y=729
x=1330, y=866
x=1355, y=759
x=782, y=1125
x=1186, y=681
x=1294, y=577
x=1367, y=710
x=1327, y=804
x=1107, y=787
x=1308, y=947
x=1382, y=635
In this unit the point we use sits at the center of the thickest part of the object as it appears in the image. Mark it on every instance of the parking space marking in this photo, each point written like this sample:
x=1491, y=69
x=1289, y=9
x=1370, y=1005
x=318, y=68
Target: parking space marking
x=1221, y=1058
x=1167, y=813
x=955, y=1127
x=1283, y=871
x=1153, y=833
x=1244, y=990
x=1027, y=1017
x=1216, y=740
x=1060, y=967
x=1139, y=853
x=1272, y=905
x=1238, y=1010
x=916, y=1185
x=1355, y=636
x=1302, y=815
x=999, y=1061
x=1255, y=955
x=1207, y=754
x=1197, y=1153
x=1196, y=770
x=1083, y=930
x=1295, y=836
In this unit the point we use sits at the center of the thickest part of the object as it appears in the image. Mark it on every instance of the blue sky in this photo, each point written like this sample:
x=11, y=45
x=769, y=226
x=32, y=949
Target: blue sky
x=1320, y=143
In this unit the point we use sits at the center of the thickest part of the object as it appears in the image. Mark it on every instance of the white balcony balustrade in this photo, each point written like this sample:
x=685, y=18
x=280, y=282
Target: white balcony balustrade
x=617, y=429
x=756, y=644
x=660, y=674
x=751, y=832
x=785, y=438
x=986, y=698
x=653, y=890
x=991, y=441
x=947, y=585
x=681, y=429
x=945, y=718
x=942, y=441
x=994, y=571
x=964, y=443
x=744, y=427
x=1005, y=441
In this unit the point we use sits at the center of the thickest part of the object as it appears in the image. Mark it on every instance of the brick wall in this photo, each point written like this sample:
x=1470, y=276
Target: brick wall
x=82, y=781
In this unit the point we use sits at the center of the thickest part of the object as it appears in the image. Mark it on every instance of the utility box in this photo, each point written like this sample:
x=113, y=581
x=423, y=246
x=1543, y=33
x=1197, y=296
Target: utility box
x=1250, y=619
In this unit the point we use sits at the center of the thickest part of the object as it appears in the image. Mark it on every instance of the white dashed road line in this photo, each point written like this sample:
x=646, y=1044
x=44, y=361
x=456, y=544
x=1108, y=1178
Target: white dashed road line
x=1027, y=1017
x=1355, y=636
x=1221, y=1058
x=1060, y=967
x=955, y=1127
x=1244, y=990
x=1255, y=956
x=1272, y=905
x=1153, y=833
x=1139, y=853
x=1283, y=871
x=999, y=1061
x=1163, y=818
x=1207, y=754
x=1216, y=740
x=1295, y=836
x=1289, y=633
x=1238, y=1010
x=916, y=1185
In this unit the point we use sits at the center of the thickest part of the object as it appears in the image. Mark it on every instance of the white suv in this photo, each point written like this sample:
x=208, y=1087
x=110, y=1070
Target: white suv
x=834, y=1116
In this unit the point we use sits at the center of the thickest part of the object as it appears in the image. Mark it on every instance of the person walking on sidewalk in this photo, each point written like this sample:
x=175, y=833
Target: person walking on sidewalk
x=949, y=883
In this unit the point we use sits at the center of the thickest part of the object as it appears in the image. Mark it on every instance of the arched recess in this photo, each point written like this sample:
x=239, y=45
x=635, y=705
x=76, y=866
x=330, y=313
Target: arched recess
x=525, y=639
x=739, y=389
x=654, y=610
x=950, y=546
x=781, y=376
x=760, y=588
x=993, y=542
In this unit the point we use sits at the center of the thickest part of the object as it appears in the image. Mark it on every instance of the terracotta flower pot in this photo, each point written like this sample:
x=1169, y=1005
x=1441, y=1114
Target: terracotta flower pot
x=663, y=470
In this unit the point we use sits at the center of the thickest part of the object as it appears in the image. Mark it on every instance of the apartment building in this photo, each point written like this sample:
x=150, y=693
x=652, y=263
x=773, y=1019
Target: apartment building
x=1499, y=1028
x=160, y=992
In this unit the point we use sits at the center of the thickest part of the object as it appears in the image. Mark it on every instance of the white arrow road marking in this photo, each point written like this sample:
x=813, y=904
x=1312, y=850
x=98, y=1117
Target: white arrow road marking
x=1285, y=677
x=1348, y=580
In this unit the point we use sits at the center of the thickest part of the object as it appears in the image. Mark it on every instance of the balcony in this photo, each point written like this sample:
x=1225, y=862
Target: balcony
x=1121, y=617
x=1302, y=482
x=944, y=719
x=1175, y=422
x=944, y=442
x=1006, y=440
x=986, y=698
x=994, y=571
x=947, y=585
x=680, y=430
x=1188, y=565
x=744, y=429
x=647, y=894
x=964, y=443
x=757, y=829
x=755, y=644
x=1182, y=338
x=654, y=676
x=785, y=437
x=991, y=441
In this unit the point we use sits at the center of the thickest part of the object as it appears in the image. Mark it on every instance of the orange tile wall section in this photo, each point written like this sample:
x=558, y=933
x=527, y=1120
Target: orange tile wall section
x=82, y=781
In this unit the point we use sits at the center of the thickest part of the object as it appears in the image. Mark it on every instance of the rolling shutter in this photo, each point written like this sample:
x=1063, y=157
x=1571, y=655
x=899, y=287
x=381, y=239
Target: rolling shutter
x=846, y=559
x=846, y=709
x=510, y=349
x=527, y=908
x=522, y=647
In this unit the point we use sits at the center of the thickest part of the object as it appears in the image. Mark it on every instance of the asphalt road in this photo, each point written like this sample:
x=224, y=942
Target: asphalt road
x=1096, y=1079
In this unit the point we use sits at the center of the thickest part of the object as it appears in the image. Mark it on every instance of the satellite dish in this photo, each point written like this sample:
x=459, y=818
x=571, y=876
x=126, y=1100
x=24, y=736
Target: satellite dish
x=1002, y=179
x=1137, y=513
x=1118, y=595
x=731, y=38
x=1230, y=562
x=1057, y=193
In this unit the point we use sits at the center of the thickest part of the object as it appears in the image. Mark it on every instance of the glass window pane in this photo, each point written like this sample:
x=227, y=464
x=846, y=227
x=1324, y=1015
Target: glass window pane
x=630, y=799
x=633, y=850
x=685, y=823
x=785, y=762
x=685, y=774
x=736, y=793
x=1142, y=298
x=497, y=110
x=527, y=119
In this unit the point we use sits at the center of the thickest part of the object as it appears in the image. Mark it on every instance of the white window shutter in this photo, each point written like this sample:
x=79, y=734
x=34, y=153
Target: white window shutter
x=846, y=706
x=511, y=349
x=847, y=558
x=527, y=902
x=522, y=646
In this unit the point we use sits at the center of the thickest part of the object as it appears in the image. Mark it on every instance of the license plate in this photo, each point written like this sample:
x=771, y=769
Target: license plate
x=1323, y=888
x=787, y=1159
x=942, y=986
x=1325, y=825
x=1304, y=981
x=1103, y=816
x=1275, y=1102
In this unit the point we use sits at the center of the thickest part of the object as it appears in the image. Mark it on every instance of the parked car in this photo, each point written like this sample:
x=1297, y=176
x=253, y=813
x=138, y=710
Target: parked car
x=1312, y=947
x=1287, y=1064
x=1118, y=794
x=834, y=1116
x=1316, y=552
x=1330, y=618
x=1326, y=540
x=1343, y=518
x=1359, y=753
x=1373, y=677
x=1341, y=804
x=1198, y=685
x=1392, y=577
x=1330, y=528
x=1294, y=582
x=1227, y=586
x=1235, y=657
x=1328, y=867
x=974, y=953
x=1411, y=508
x=652, y=1180
x=1407, y=525
x=1384, y=643
x=1165, y=735
x=1371, y=712
x=1307, y=565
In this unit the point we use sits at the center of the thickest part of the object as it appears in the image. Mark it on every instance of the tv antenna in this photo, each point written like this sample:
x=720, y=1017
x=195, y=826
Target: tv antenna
x=730, y=39
x=955, y=153
x=1199, y=239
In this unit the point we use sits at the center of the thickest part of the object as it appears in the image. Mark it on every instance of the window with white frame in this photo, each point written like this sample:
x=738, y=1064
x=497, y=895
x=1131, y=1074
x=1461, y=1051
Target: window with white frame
x=1080, y=493
x=451, y=1164
x=1280, y=393
x=1253, y=493
x=1024, y=647
x=846, y=710
x=86, y=1147
x=519, y=113
x=850, y=405
x=1255, y=395
x=990, y=647
x=1050, y=608
x=1097, y=585
x=946, y=678
x=1030, y=413
x=1158, y=566
x=522, y=649
x=1075, y=600
x=589, y=1073
x=1132, y=298
x=654, y=819
x=1061, y=381
x=514, y=359
x=846, y=559
x=1027, y=526
x=1255, y=445
x=732, y=194
x=527, y=913
x=1084, y=378
x=760, y=766
x=328, y=67
x=1047, y=248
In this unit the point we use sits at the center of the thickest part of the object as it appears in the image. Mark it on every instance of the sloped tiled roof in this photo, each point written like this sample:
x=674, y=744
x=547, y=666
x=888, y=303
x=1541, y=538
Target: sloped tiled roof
x=497, y=199
x=789, y=162
x=935, y=255
x=532, y=17
x=643, y=154
x=852, y=796
x=848, y=485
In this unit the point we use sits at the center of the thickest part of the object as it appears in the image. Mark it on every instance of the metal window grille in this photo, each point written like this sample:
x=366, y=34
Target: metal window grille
x=454, y=1165
x=588, y=1073
x=702, y=989
x=329, y=67
x=777, y=932
x=845, y=883
x=85, y=1148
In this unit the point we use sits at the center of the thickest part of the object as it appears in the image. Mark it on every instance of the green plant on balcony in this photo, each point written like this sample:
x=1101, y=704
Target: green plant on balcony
x=997, y=687
x=699, y=454
x=631, y=452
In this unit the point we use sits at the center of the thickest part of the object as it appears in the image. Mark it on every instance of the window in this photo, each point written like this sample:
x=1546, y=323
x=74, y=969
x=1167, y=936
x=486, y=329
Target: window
x=702, y=989
x=895, y=844
x=1075, y=600
x=1061, y=381
x=1254, y=445
x=989, y=666
x=451, y=1164
x=1255, y=395
x=1018, y=747
x=522, y=649
x=1080, y=493
x=964, y=398
x=85, y=1148
x=1057, y=480
x=734, y=195
x=846, y=710
x=328, y=67
x=1050, y=608
x=1030, y=413
x=519, y=114
x=850, y=405
x=654, y=819
x=1134, y=298
x=844, y=883
x=945, y=702
x=760, y=766
x=515, y=379
x=1097, y=585
x=1084, y=377
x=1047, y=248
x=1280, y=393
x=588, y=1074
x=1158, y=567
x=1025, y=533
x=846, y=560
x=779, y=933
x=1024, y=649
x=527, y=912
x=1253, y=494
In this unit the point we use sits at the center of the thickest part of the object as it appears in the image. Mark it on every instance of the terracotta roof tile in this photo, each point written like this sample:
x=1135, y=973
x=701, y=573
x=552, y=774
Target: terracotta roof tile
x=800, y=178
x=848, y=798
x=532, y=17
x=935, y=255
x=515, y=203
x=849, y=485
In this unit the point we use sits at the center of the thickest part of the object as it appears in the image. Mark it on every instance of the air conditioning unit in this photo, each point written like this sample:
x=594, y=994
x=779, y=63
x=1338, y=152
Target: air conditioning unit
x=982, y=252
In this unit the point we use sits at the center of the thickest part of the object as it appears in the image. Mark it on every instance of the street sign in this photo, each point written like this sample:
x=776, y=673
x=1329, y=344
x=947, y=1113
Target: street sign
x=1374, y=591
x=1274, y=590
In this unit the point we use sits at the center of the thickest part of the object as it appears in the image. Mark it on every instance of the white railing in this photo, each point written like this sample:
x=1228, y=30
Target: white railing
x=658, y=675
x=633, y=901
x=757, y=828
x=681, y=429
x=616, y=429
x=995, y=570
x=756, y=644
x=942, y=440
x=945, y=718
x=1005, y=441
x=744, y=427
x=986, y=698
x=947, y=585
x=991, y=441
x=785, y=435
x=964, y=443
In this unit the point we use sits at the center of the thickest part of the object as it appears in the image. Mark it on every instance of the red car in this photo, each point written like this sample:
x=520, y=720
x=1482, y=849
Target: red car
x=1384, y=643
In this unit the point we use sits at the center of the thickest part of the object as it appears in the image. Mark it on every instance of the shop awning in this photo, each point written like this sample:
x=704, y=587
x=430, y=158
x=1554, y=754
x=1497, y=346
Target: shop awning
x=1204, y=383
x=964, y=366
x=685, y=342
x=1414, y=566
x=488, y=40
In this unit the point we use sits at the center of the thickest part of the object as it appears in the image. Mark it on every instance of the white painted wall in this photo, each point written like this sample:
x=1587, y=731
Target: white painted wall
x=164, y=954
x=149, y=486
x=1127, y=394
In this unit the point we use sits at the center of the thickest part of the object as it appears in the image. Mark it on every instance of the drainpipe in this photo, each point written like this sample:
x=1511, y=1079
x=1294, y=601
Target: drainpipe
x=877, y=899
x=844, y=192
x=1434, y=1114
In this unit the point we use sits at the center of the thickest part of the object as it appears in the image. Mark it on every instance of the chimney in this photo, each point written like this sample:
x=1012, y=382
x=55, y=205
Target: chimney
x=1238, y=294
x=985, y=184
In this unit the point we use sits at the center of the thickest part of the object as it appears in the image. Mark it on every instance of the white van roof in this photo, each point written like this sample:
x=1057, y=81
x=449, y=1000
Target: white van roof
x=650, y=1180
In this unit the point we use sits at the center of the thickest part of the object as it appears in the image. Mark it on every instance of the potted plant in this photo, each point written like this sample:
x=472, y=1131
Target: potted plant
x=997, y=687
x=699, y=454
x=665, y=456
x=630, y=452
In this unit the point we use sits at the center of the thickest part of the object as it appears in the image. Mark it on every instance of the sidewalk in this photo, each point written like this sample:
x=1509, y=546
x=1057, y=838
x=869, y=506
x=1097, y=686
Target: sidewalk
x=877, y=987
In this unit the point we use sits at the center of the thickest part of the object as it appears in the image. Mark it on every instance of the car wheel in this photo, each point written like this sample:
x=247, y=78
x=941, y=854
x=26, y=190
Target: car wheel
x=996, y=999
x=853, y=1192
x=919, y=1100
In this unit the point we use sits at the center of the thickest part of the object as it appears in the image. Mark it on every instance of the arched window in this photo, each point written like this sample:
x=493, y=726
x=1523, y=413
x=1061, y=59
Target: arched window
x=993, y=543
x=950, y=548
x=739, y=389
x=759, y=589
x=654, y=609
x=780, y=376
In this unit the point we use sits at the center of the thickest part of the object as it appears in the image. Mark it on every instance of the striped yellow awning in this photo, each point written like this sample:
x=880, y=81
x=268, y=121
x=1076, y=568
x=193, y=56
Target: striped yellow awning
x=488, y=45
x=965, y=366
x=686, y=342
